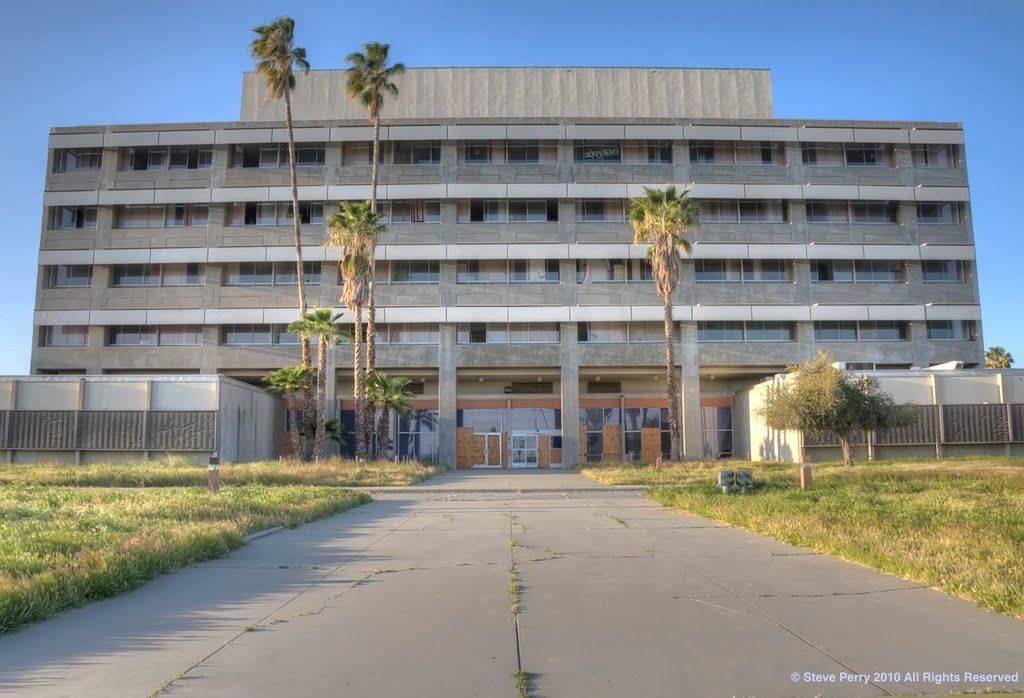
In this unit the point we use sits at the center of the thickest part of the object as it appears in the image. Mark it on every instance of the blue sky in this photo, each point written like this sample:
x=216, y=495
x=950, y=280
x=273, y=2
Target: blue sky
x=161, y=61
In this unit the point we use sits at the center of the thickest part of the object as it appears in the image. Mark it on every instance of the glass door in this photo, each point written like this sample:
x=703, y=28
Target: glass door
x=523, y=450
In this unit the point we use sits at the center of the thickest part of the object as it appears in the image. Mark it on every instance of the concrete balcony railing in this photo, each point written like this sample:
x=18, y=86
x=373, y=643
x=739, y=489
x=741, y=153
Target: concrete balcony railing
x=940, y=177
x=621, y=173
x=748, y=232
x=389, y=174
x=470, y=233
x=859, y=176
x=634, y=354
x=508, y=294
x=271, y=176
x=510, y=173
x=935, y=234
x=150, y=298
x=141, y=238
x=74, y=181
x=741, y=174
x=753, y=293
x=161, y=179
x=504, y=355
x=771, y=354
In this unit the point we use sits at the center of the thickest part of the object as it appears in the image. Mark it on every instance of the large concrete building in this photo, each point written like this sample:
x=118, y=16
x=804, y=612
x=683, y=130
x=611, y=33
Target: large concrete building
x=508, y=288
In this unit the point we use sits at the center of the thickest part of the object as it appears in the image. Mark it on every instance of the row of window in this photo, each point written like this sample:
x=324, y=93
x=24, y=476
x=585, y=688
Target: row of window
x=500, y=271
x=268, y=155
x=504, y=211
x=518, y=333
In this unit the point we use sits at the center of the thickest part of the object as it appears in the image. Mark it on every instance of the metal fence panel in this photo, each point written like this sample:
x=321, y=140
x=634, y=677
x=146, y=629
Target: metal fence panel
x=821, y=438
x=182, y=431
x=42, y=430
x=924, y=430
x=975, y=424
x=1017, y=418
x=111, y=430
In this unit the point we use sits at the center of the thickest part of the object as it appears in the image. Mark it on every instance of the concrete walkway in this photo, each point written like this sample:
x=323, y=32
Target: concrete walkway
x=409, y=596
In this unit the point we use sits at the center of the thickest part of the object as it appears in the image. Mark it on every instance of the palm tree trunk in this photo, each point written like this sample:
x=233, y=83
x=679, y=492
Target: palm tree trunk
x=357, y=384
x=300, y=281
x=319, y=439
x=671, y=393
x=383, y=432
x=371, y=314
x=293, y=410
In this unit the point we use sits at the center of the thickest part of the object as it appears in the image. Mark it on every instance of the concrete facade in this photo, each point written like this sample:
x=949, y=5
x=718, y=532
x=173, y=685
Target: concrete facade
x=507, y=279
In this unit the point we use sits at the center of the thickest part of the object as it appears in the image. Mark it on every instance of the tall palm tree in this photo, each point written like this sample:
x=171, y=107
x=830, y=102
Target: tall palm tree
x=322, y=324
x=662, y=220
x=388, y=394
x=276, y=58
x=354, y=230
x=291, y=383
x=998, y=357
x=368, y=80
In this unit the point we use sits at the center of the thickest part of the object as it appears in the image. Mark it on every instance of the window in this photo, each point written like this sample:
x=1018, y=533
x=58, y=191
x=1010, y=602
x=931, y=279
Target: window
x=64, y=336
x=743, y=270
x=246, y=334
x=768, y=331
x=720, y=331
x=181, y=275
x=72, y=217
x=828, y=212
x=941, y=213
x=598, y=152
x=659, y=152
x=594, y=420
x=600, y=211
x=872, y=212
x=602, y=332
x=834, y=270
x=177, y=157
x=835, y=331
x=716, y=431
x=131, y=335
x=485, y=271
x=613, y=270
x=744, y=211
x=276, y=155
x=711, y=152
x=482, y=211
x=417, y=436
x=275, y=214
x=482, y=333
x=187, y=215
x=882, y=330
x=940, y=155
x=69, y=276
x=180, y=335
x=134, y=275
x=77, y=160
x=756, y=153
x=951, y=330
x=533, y=270
x=878, y=271
x=414, y=271
x=642, y=332
x=411, y=211
x=865, y=155
x=825, y=154
x=140, y=217
x=417, y=152
x=412, y=333
x=527, y=152
x=532, y=210
x=270, y=274
x=191, y=157
x=477, y=152
x=170, y=216
x=943, y=271
x=534, y=333
x=719, y=211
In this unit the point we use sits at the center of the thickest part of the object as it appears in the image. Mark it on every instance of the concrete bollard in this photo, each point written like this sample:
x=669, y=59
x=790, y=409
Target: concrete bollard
x=213, y=474
x=805, y=477
x=657, y=463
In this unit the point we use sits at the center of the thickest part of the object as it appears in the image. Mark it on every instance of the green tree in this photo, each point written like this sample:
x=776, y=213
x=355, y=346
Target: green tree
x=320, y=324
x=388, y=394
x=354, y=230
x=369, y=80
x=662, y=220
x=818, y=396
x=998, y=357
x=291, y=383
x=276, y=58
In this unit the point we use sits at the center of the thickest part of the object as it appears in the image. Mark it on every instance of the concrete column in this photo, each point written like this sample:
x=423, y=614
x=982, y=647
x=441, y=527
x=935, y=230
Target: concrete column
x=446, y=395
x=688, y=360
x=569, y=358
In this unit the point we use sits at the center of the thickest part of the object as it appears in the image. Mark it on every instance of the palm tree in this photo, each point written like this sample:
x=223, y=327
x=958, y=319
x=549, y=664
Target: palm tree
x=354, y=230
x=368, y=80
x=388, y=394
x=321, y=323
x=998, y=357
x=291, y=382
x=276, y=57
x=662, y=219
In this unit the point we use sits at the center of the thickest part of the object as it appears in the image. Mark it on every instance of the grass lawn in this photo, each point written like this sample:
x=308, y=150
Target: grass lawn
x=953, y=525
x=63, y=546
x=182, y=473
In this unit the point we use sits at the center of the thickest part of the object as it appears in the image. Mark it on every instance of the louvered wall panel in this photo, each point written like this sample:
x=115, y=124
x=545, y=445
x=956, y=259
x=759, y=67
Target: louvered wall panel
x=42, y=430
x=924, y=430
x=1017, y=415
x=111, y=430
x=4, y=416
x=182, y=431
x=975, y=424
